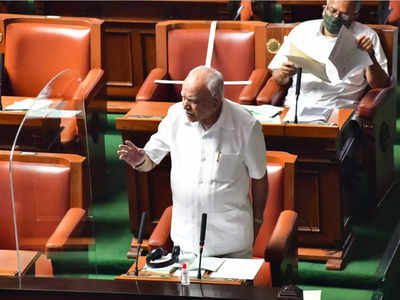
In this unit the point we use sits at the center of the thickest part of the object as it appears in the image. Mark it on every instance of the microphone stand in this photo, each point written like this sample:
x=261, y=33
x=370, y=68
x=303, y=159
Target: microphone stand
x=1, y=77
x=202, y=238
x=140, y=240
x=298, y=85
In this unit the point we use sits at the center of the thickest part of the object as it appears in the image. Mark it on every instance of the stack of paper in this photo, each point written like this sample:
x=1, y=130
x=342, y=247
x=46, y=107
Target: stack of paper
x=309, y=114
x=29, y=103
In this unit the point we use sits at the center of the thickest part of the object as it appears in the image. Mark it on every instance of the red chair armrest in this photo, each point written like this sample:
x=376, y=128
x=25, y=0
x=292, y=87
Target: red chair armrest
x=281, y=251
x=249, y=92
x=371, y=101
x=160, y=236
x=91, y=85
x=63, y=231
x=153, y=91
x=272, y=93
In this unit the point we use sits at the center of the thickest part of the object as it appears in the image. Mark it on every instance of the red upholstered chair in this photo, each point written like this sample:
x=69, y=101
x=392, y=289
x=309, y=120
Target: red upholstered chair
x=239, y=54
x=49, y=201
x=375, y=113
x=274, y=224
x=36, y=48
x=394, y=16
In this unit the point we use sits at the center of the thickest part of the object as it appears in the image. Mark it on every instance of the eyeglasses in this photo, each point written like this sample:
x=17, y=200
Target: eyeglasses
x=338, y=14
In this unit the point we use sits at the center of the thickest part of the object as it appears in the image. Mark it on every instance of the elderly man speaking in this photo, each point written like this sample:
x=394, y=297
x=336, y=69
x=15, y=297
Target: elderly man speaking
x=216, y=146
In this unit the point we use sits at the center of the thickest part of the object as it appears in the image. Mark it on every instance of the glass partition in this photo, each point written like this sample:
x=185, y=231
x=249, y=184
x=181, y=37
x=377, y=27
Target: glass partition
x=51, y=230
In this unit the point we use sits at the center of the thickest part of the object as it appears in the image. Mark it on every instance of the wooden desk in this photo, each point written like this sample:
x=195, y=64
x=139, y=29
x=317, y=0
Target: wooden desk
x=322, y=205
x=9, y=265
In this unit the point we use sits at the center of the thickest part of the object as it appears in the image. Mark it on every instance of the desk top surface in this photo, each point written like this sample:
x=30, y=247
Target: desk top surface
x=146, y=115
x=8, y=261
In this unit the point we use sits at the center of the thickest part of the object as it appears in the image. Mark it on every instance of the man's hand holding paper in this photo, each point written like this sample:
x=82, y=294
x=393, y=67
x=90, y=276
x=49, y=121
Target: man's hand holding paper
x=347, y=46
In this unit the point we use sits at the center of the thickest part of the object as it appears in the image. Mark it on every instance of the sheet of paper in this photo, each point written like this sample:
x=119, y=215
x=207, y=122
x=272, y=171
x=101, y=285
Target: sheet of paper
x=265, y=113
x=29, y=103
x=307, y=63
x=312, y=295
x=345, y=48
x=192, y=274
x=207, y=263
x=237, y=268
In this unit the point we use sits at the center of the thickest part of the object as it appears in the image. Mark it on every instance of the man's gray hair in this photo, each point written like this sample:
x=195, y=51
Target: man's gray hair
x=213, y=78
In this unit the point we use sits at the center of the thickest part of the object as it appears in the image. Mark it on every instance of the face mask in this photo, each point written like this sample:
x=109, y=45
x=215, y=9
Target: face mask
x=333, y=24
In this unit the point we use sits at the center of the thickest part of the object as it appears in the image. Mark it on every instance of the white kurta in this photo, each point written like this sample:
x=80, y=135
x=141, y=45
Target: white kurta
x=210, y=174
x=308, y=37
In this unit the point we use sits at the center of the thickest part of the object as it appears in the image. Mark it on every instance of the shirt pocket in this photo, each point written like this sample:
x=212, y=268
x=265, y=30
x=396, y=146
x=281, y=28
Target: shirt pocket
x=227, y=166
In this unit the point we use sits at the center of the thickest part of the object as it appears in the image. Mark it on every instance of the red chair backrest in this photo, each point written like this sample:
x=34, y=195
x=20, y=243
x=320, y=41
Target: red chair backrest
x=42, y=197
x=35, y=52
x=272, y=210
x=233, y=56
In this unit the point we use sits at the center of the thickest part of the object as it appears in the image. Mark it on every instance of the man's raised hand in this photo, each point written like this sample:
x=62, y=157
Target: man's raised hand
x=131, y=154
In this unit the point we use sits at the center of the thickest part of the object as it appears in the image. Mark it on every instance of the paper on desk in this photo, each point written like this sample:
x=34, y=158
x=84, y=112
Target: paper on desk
x=207, y=263
x=29, y=103
x=346, y=47
x=307, y=63
x=52, y=113
x=308, y=114
x=265, y=113
x=237, y=268
x=312, y=295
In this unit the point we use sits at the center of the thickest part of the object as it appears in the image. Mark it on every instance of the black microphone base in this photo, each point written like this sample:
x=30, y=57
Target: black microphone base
x=290, y=292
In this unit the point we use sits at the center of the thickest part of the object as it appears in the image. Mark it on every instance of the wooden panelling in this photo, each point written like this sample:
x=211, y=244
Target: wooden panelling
x=148, y=52
x=118, y=44
x=129, y=56
x=308, y=199
x=371, y=12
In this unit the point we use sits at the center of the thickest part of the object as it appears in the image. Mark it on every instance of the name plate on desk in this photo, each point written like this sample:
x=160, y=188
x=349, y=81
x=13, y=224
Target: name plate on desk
x=145, y=117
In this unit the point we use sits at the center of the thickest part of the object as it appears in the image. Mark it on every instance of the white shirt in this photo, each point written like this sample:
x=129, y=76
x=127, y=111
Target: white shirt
x=308, y=37
x=210, y=172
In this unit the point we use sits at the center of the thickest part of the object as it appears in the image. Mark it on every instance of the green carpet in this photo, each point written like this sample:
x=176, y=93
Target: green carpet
x=111, y=214
x=334, y=293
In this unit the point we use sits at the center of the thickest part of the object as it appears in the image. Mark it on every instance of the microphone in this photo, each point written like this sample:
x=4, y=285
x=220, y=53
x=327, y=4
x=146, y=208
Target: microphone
x=238, y=12
x=140, y=240
x=202, y=238
x=298, y=85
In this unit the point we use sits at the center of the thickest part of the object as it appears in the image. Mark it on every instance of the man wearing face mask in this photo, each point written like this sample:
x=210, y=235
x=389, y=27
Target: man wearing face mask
x=317, y=38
